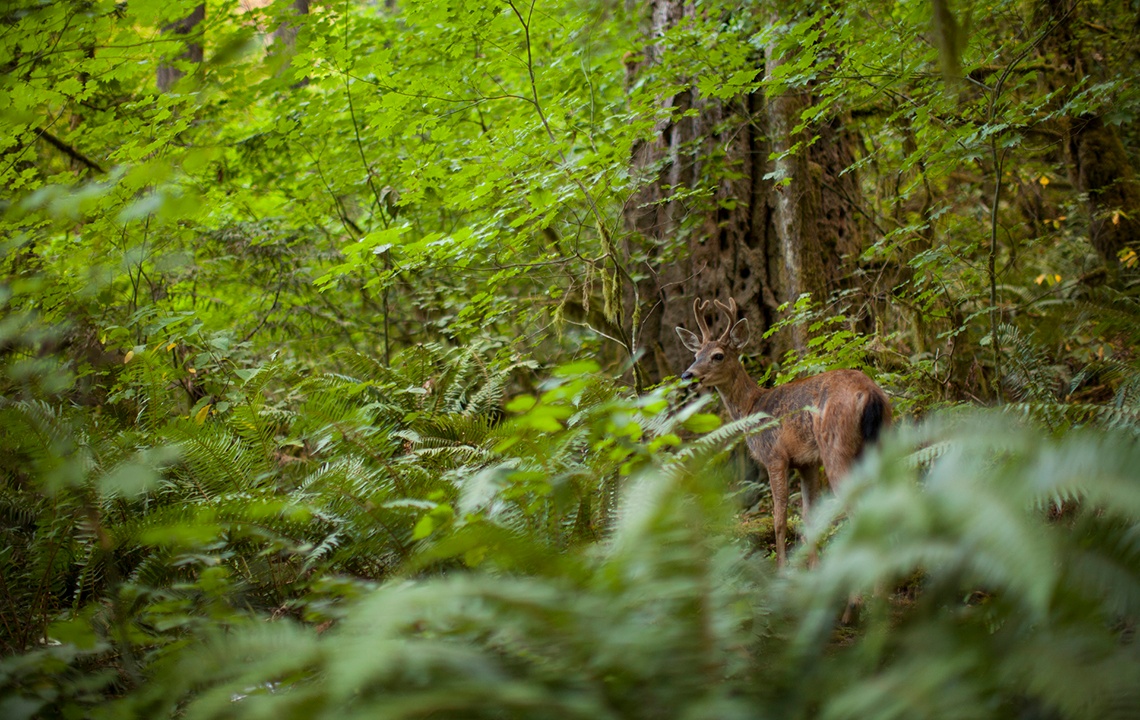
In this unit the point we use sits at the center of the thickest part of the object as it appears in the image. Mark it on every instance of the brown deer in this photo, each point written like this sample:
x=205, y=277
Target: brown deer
x=828, y=418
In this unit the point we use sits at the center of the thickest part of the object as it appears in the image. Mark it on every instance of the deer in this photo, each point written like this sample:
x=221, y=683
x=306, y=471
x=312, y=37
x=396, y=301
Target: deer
x=828, y=418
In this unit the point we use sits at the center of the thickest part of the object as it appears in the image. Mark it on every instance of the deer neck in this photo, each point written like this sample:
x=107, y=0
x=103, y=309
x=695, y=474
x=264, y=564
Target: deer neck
x=740, y=393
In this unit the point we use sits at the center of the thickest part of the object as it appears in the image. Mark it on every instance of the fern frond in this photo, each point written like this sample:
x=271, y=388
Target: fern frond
x=722, y=439
x=1113, y=311
x=1029, y=374
x=922, y=457
x=488, y=398
x=216, y=460
x=456, y=428
x=35, y=428
x=1059, y=416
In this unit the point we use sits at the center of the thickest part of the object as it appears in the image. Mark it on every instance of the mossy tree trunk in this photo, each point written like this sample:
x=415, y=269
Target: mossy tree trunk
x=742, y=233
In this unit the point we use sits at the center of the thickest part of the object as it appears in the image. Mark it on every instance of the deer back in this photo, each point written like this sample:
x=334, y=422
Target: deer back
x=835, y=414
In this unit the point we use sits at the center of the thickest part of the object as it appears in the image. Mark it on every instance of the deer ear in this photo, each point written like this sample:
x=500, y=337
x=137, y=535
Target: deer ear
x=689, y=339
x=740, y=333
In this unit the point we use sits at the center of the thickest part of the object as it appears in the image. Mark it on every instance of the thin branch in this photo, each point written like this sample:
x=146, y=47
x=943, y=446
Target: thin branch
x=269, y=312
x=631, y=344
x=68, y=150
x=999, y=163
x=383, y=218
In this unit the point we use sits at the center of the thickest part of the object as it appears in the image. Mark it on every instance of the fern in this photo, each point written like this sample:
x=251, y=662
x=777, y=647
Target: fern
x=970, y=520
x=1029, y=374
x=1112, y=311
x=714, y=443
x=1064, y=416
x=216, y=459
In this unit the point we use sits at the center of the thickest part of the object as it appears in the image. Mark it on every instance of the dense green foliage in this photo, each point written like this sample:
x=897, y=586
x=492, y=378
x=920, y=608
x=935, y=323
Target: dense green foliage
x=317, y=386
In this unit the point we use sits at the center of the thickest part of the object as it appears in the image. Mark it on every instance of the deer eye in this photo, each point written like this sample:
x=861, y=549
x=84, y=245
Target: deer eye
x=717, y=357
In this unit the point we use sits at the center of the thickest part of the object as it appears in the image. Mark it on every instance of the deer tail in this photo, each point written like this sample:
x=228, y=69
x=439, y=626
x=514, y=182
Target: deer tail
x=874, y=415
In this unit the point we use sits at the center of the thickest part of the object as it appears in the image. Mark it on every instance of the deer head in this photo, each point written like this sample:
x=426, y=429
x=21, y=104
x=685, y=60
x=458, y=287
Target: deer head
x=716, y=363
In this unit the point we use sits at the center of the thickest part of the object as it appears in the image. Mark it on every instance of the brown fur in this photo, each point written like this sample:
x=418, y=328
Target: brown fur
x=823, y=419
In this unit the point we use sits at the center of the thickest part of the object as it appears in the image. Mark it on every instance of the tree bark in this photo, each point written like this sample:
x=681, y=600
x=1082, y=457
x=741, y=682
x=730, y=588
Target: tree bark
x=715, y=249
x=1102, y=171
x=1099, y=165
x=726, y=250
x=285, y=39
x=286, y=32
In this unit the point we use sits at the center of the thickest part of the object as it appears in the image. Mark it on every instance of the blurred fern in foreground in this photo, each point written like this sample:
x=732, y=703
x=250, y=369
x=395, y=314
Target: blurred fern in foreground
x=1005, y=607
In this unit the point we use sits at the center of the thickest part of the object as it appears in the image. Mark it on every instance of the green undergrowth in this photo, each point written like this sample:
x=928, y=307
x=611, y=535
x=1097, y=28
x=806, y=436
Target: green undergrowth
x=389, y=541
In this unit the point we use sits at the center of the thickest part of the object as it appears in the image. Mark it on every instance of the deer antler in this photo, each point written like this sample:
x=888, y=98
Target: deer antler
x=730, y=311
x=699, y=310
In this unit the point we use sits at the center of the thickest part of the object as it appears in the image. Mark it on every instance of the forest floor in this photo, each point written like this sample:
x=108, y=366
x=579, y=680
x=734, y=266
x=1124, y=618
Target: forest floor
x=755, y=524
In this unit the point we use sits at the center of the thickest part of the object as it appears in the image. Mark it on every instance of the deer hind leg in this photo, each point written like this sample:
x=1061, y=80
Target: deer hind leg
x=809, y=487
x=839, y=437
x=778, y=477
x=809, y=495
x=837, y=461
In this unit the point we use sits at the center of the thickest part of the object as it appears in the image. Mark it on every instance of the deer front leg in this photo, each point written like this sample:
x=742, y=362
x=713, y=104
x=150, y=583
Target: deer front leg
x=778, y=477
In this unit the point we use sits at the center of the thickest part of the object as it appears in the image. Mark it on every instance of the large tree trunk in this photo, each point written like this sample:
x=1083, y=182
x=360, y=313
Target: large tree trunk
x=761, y=242
x=796, y=198
x=285, y=39
x=168, y=73
x=286, y=32
x=727, y=251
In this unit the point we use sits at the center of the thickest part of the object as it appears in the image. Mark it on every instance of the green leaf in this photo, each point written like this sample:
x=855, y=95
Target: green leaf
x=128, y=480
x=424, y=527
x=521, y=403
x=702, y=423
